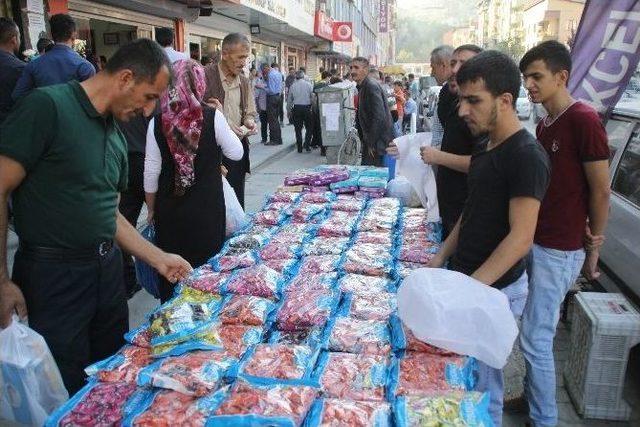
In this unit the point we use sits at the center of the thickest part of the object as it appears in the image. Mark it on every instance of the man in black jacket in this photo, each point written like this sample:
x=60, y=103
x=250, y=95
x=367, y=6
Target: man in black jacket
x=373, y=119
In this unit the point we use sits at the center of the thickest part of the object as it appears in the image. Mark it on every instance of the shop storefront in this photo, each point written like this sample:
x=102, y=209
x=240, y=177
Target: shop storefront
x=205, y=35
x=263, y=54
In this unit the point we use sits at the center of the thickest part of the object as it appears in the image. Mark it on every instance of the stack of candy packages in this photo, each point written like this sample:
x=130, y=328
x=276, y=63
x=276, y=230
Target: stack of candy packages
x=293, y=323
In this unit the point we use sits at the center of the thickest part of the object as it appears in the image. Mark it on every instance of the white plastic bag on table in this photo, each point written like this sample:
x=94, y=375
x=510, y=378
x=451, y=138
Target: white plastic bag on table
x=456, y=312
x=30, y=383
x=236, y=218
x=410, y=165
x=400, y=188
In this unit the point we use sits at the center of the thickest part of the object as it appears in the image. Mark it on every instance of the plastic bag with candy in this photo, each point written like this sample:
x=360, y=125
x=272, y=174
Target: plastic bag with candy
x=283, y=362
x=277, y=206
x=310, y=337
x=455, y=408
x=348, y=205
x=271, y=218
x=204, y=337
x=195, y=373
x=140, y=336
x=299, y=177
x=277, y=250
x=98, y=404
x=404, y=268
x=423, y=373
x=353, y=376
x=325, y=197
x=305, y=308
x=306, y=212
x=403, y=339
x=337, y=227
x=319, y=264
x=259, y=404
x=350, y=335
x=229, y=262
x=247, y=241
x=285, y=236
x=282, y=266
x=338, y=187
x=415, y=239
x=370, y=306
x=368, y=259
x=418, y=254
x=351, y=189
x=283, y=196
x=376, y=224
x=246, y=310
x=359, y=284
x=124, y=366
x=312, y=281
x=329, y=177
x=325, y=246
x=327, y=412
x=315, y=188
x=385, y=238
x=206, y=280
x=386, y=204
x=259, y=281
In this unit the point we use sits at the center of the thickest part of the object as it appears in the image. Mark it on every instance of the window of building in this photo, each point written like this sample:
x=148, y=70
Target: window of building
x=627, y=178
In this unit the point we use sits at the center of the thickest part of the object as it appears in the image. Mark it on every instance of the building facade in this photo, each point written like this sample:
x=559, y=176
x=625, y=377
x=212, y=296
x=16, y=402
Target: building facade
x=551, y=20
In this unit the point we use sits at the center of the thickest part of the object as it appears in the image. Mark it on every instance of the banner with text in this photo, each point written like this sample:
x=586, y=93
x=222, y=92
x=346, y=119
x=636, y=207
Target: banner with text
x=384, y=16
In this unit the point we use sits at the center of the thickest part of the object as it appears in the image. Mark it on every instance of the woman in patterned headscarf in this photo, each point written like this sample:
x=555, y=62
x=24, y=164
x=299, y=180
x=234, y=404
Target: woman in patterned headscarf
x=182, y=177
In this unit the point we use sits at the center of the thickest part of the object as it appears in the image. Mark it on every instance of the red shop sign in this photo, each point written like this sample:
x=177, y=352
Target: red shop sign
x=323, y=27
x=342, y=31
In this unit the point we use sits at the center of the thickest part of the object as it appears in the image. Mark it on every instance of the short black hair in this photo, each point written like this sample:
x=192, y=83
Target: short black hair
x=398, y=83
x=362, y=60
x=143, y=57
x=8, y=29
x=274, y=65
x=325, y=74
x=303, y=69
x=469, y=47
x=334, y=80
x=412, y=76
x=555, y=55
x=499, y=73
x=43, y=45
x=234, y=39
x=164, y=36
x=62, y=27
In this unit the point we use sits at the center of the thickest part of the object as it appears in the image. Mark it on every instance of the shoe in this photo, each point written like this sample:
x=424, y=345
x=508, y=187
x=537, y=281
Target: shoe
x=517, y=405
x=307, y=149
x=299, y=150
x=263, y=141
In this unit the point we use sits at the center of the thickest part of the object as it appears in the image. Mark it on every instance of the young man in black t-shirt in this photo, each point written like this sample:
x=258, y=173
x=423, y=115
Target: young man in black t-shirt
x=508, y=177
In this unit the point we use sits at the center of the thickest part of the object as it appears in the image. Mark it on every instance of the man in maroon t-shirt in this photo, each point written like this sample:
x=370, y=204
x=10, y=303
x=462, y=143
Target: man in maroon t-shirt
x=576, y=142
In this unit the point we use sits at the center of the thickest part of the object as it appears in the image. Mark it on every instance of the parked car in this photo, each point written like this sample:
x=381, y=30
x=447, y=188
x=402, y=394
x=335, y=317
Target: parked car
x=523, y=105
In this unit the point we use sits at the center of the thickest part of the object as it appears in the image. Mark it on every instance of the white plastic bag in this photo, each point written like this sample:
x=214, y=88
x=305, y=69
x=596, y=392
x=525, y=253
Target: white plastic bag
x=410, y=165
x=400, y=188
x=456, y=312
x=236, y=218
x=30, y=383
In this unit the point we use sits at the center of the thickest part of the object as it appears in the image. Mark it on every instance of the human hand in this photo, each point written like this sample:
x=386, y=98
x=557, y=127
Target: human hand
x=173, y=267
x=591, y=241
x=250, y=124
x=214, y=103
x=392, y=150
x=150, y=216
x=590, y=268
x=437, y=261
x=11, y=301
x=224, y=170
x=429, y=155
x=237, y=130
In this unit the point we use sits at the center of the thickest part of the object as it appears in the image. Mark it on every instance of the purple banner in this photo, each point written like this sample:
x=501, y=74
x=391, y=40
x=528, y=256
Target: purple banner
x=606, y=52
x=384, y=16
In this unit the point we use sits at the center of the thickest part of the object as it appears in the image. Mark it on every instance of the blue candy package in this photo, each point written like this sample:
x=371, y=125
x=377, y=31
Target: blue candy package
x=328, y=412
x=349, y=335
x=370, y=306
x=281, y=363
x=360, y=284
x=313, y=337
x=259, y=281
x=455, y=408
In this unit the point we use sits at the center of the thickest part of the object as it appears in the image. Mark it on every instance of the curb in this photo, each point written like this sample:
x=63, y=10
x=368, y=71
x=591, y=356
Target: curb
x=275, y=155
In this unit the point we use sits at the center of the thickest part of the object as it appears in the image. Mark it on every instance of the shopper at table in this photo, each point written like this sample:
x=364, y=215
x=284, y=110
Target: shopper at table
x=508, y=178
x=64, y=161
x=575, y=140
x=182, y=178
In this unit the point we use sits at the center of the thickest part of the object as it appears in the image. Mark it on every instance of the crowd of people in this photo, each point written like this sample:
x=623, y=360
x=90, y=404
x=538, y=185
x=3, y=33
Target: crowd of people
x=82, y=149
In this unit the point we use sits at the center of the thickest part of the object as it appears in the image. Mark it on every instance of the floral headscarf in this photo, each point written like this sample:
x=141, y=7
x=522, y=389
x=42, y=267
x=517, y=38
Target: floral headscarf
x=182, y=119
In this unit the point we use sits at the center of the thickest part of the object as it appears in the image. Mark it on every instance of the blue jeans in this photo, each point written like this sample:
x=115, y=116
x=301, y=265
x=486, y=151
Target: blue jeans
x=490, y=379
x=552, y=272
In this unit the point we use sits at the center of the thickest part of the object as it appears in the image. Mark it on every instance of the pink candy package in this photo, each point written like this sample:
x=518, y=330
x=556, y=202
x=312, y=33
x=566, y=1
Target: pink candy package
x=305, y=309
x=259, y=281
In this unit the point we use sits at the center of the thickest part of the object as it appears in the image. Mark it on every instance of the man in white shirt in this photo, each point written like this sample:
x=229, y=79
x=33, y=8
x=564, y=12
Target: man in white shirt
x=299, y=104
x=165, y=37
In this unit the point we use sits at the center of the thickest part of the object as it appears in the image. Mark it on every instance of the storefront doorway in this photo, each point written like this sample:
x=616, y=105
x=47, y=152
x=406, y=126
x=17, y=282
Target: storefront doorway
x=263, y=54
x=103, y=38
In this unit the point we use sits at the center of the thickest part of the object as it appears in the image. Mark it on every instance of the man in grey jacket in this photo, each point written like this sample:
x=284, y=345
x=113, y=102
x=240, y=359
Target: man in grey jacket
x=373, y=118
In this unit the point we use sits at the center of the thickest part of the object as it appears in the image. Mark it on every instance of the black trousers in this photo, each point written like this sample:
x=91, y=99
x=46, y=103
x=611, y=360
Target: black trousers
x=131, y=202
x=317, y=128
x=78, y=306
x=281, y=112
x=301, y=116
x=273, y=108
x=264, y=125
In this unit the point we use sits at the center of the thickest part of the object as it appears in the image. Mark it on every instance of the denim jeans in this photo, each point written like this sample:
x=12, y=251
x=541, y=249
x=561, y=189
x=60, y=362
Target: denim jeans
x=552, y=272
x=490, y=379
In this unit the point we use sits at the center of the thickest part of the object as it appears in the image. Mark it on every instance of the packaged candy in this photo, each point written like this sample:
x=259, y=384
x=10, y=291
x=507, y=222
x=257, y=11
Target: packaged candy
x=368, y=259
x=259, y=404
x=384, y=238
x=206, y=280
x=259, y=281
x=246, y=310
x=376, y=224
x=315, y=188
x=140, y=337
x=415, y=239
x=205, y=337
x=350, y=189
x=337, y=228
x=405, y=268
x=123, y=366
x=350, y=335
x=181, y=315
x=97, y=404
x=359, y=284
x=386, y=204
x=329, y=177
x=329, y=412
x=306, y=308
x=278, y=250
x=321, y=198
x=306, y=212
x=455, y=408
x=326, y=246
x=310, y=337
x=319, y=264
x=348, y=205
x=286, y=197
x=372, y=182
x=226, y=262
x=370, y=306
x=287, y=237
x=352, y=182
x=236, y=339
x=283, y=362
x=312, y=281
x=353, y=376
x=282, y=266
x=403, y=339
x=418, y=254
x=277, y=206
x=299, y=177
x=269, y=217
x=196, y=373
x=423, y=373
x=247, y=241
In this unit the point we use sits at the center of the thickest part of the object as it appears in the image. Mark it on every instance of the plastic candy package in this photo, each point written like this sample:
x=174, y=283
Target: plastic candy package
x=205, y=337
x=376, y=224
x=246, y=310
x=315, y=189
x=259, y=404
x=140, y=337
x=456, y=408
x=282, y=266
x=277, y=250
x=370, y=306
x=348, y=205
x=329, y=177
x=283, y=196
x=225, y=262
x=96, y=404
x=417, y=254
x=384, y=238
x=405, y=268
x=337, y=227
x=206, y=280
x=259, y=281
x=312, y=281
x=385, y=204
x=423, y=373
x=351, y=335
x=368, y=259
x=307, y=212
x=124, y=366
x=236, y=339
x=299, y=177
x=353, y=376
x=304, y=309
x=338, y=412
x=367, y=195
x=338, y=187
x=196, y=373
x=345, y=190
x=277, y=206
x=326, y=246
x=415, y=239
x=325, y=197
x=372, y=182
x=268, y=218
x=288, y=237
x=359, y=284
x=319, y=264
x=310, y=337
x=247, y=241
x=280, y=361
x=404, y=339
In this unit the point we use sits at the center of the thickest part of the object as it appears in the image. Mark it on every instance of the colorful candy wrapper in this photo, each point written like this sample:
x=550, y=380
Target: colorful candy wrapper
x=386, y=204
x=206, y=280
x=455, y=408
x=259, y=281
x=325, y=246
x=196, y=373
x=312, y=281
x=246, y=310
x=327, y=412
x=329, y=177
x=307, y=212
x=310, y=337
x=403, y=339
x=305, y=309
x=350, y=189
x=417, y=254
x=370, y=306
x=271, y=218
x=287, y=197
x=404, y=268
x=288, y=237
x=123, y=366
x=384, y=238
x=368, y=259
x=278, y=250
x=282, y=266
x=353, y=376
x=348, y=205
x=359, y=284
x=247, y=242
x=350, y=335
x=281, y=362
x=319, y=264
x=227, y=262
x=321, y=198
x=140, y=337
x=277, y=206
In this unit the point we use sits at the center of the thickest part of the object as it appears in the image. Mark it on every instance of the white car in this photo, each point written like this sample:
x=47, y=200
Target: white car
x=523, y=106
